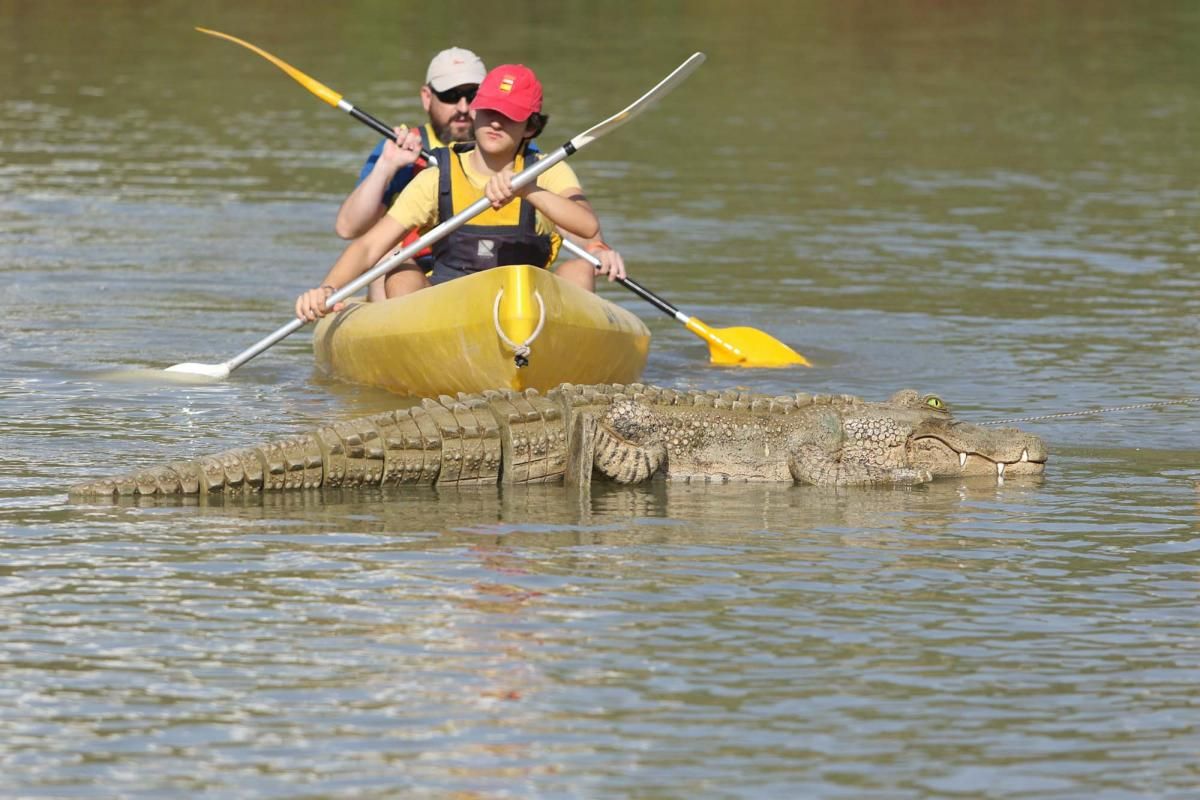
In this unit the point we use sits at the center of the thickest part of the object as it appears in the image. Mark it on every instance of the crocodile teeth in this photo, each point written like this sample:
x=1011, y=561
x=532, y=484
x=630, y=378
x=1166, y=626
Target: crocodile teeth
x=962, y=460
x=999, y=469
x=1025, y=454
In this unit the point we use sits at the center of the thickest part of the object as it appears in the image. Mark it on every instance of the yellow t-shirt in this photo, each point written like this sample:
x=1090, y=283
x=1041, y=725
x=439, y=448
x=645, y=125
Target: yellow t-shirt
x=417, y=205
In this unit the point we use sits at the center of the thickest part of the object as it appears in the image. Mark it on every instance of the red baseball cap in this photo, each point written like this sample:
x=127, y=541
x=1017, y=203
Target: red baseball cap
x=511, y=89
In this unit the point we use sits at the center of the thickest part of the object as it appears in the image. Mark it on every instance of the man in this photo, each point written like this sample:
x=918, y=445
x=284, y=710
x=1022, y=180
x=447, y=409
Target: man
x=451, y=82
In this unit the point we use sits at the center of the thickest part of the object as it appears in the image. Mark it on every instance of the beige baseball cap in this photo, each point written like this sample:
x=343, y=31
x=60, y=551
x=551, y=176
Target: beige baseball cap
x=454, y=67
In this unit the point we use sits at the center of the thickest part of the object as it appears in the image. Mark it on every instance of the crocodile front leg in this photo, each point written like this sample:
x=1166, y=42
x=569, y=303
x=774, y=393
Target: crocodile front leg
x=629, y=445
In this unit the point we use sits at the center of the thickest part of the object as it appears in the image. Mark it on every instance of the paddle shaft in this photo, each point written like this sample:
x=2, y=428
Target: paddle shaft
x=370, y=121
x=377, y=124
x=630, y=284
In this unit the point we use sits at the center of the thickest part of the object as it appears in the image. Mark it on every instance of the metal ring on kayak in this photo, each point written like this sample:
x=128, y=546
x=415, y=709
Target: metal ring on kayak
x=520, y=351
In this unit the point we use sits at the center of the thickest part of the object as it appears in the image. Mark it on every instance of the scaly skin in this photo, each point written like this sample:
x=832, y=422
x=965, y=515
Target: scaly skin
x=626, y=433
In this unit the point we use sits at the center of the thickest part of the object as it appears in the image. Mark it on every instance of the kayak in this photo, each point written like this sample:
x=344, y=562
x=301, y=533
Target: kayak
x=514, y=327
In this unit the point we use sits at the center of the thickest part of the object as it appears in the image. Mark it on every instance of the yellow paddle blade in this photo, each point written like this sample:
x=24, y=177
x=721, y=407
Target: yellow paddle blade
x=745, y=347
x=316, y=87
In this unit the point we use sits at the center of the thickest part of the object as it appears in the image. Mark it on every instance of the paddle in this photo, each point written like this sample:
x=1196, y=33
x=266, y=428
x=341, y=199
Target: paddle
x=316, y=87
x=746, y=347
x=742, y=347
x=523, y=178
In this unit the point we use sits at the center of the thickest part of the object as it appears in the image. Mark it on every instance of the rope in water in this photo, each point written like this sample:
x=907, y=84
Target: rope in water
x=1159, y=404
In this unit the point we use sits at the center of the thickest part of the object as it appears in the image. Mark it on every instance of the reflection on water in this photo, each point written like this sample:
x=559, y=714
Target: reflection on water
x=993, y=202
x=598, y=513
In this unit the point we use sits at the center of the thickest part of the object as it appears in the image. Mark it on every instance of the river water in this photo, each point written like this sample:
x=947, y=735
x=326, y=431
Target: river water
x=995, y=202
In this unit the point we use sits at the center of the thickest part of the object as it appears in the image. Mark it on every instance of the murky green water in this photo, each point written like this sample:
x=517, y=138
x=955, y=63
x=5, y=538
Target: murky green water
x=996, y=202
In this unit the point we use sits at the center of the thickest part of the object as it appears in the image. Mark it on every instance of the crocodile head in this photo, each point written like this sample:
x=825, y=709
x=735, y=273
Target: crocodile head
x=949, y=448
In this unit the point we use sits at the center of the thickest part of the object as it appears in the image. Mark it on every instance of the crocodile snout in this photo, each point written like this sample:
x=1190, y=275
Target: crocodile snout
x=967, y=451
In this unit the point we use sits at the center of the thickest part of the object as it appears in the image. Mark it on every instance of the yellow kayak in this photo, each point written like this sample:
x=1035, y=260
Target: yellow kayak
x=470, y=334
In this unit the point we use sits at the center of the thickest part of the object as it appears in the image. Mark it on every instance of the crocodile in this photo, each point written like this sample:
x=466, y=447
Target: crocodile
x=628, y=434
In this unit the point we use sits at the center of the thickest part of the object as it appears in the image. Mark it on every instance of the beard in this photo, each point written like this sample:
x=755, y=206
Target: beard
x=465, y=130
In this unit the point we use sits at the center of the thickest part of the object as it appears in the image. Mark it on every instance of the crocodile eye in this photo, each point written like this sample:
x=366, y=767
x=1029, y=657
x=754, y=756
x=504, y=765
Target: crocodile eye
x=933, y=401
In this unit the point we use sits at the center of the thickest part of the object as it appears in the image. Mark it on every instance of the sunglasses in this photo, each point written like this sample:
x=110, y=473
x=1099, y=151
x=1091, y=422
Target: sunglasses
x=451, y=96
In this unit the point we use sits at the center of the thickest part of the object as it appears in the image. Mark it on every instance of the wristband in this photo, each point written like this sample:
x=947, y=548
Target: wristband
x=596, y=247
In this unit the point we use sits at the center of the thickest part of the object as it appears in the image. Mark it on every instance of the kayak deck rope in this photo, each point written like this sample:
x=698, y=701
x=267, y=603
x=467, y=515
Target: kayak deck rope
x=1159, y=404
x=520, y=351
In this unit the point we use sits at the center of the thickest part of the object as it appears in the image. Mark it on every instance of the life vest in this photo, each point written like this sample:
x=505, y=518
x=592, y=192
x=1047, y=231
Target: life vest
x=418, y=165
x=495, y=238
x=427, y=145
